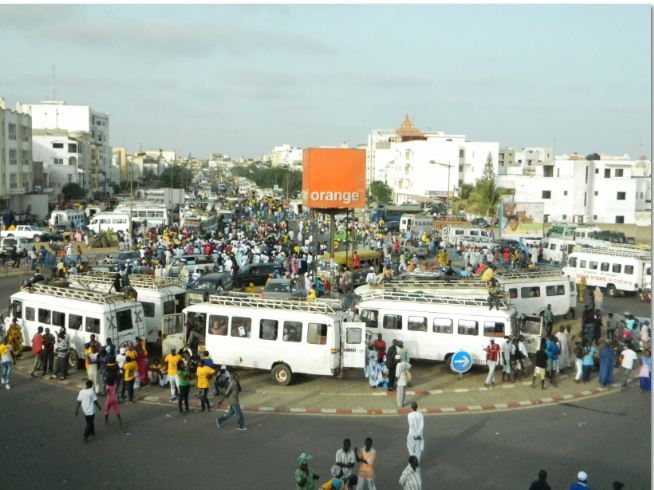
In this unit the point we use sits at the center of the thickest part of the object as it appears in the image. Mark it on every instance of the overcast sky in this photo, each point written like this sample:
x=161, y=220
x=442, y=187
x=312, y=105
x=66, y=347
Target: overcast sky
x=241, y=79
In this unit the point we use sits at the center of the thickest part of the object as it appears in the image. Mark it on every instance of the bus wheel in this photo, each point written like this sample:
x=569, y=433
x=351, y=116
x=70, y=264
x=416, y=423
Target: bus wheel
x=611, y=290
x=73, y=359
x=281, y=375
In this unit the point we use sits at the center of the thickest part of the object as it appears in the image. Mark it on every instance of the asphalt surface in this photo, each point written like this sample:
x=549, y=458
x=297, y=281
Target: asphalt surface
x=608, y=437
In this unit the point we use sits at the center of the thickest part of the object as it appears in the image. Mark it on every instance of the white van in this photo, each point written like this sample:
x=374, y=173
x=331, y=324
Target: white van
x=417, y=224
x=435, y=327
x=159, y=296
x=286, y=337
x=556, y=249
x=452, y=235
x=81, y=313
x=18, y=243
x=110, y=222
x=93, y=209
x=530, y=292
x=68, y=218
x=613, y=269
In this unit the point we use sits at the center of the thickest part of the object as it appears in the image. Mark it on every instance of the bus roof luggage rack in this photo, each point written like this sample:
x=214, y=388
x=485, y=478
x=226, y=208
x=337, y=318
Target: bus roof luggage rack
x=429, y=283
x=256, y=301
x=135, y=280
x=526, y=275
x=72, y=293
x=617, y=251
x=418, y=297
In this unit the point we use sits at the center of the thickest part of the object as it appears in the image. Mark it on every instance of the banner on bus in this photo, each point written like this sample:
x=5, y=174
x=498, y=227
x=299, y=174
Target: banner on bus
x=521, y=220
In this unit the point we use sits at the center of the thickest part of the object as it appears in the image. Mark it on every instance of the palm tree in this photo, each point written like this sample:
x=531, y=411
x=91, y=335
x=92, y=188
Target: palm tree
x=485, y=198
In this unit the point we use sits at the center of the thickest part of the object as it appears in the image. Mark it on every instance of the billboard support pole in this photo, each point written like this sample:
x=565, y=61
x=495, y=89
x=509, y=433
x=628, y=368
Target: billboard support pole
x=331, y=251
x=347, y=236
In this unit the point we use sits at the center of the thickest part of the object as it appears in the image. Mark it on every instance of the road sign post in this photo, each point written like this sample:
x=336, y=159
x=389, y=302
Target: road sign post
x=461, y=362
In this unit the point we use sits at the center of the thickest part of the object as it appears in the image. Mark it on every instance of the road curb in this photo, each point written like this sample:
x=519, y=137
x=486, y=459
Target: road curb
x=551, y=399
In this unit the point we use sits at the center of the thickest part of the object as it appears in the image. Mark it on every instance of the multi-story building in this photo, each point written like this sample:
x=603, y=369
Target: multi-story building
x=15, y=153
x=61, y=152
x=90, y=128
x=421, y=164
x=511, y=157
x=286, y=156
x=595, y=189
x=119, y=160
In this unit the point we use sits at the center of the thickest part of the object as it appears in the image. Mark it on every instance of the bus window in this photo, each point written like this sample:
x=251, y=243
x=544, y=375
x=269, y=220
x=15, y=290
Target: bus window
x=169, y=307
x=417, y=324
x=148, y=309
x=493, y=329
x=617, y=268
x=180, y=302
x=442, y=325
x=468, y=327
x=17, y=309
x=29, y=314
x=530, y=292
x=93, y=325
x=557, y=290
x=552, y=246
x=58, y=319
x=268, y=329
x=74, y=321
x=582, y=264
x=241, y=327
x=292, y=331
x=353, y=335
x=592, y=265
x=370, y=317
x=393, y=322
x=195, y=325
x=317, y=333
x=628, y=269
x=513, y=293
x=123, y=319
x=44, y=316
x=218, y=325
x=572, y=261
x=604, y=266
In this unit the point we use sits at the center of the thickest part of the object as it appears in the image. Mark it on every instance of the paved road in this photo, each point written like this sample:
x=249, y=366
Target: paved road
x=608, y=437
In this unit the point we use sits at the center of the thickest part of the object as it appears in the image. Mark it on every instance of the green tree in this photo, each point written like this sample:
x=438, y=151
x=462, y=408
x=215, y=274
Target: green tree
x=174, y=176
x=489, y=172
x=73, y=191
x=484, y=199
x=380, y=192
x=267, y=177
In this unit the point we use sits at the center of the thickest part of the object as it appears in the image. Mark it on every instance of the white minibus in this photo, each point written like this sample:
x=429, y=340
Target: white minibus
x=417, y=224
x=80, y=312
x=67, y=218
x=452, y=235
x=159, y=296
x=116, y=222
x=530, y=292
x=286, y=337
x=556, y=248
x=614, y=269
x=434, y=327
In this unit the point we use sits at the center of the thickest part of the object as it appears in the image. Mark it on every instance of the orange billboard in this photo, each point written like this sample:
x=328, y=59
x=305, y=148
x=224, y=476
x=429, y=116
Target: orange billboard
x=334, y=178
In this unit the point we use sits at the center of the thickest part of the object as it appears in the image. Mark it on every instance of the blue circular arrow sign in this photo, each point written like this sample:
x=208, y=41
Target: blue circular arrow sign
x=461, y=362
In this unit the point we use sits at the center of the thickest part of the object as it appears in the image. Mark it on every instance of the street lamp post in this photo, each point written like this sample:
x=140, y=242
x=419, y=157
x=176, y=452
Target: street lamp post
x=449, y=166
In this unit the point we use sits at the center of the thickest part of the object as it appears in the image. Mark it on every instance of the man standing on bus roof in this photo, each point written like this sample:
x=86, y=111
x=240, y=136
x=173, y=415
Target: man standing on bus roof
x=548, y=318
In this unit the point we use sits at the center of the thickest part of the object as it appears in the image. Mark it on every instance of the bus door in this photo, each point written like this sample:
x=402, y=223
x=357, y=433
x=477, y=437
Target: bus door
x=353, y=345
x=172, y=332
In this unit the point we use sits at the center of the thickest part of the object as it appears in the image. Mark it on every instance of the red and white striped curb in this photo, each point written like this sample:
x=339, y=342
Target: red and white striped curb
x=491, y=407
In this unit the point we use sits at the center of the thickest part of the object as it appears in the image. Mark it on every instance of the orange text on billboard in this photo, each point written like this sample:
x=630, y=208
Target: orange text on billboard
x=334, y=178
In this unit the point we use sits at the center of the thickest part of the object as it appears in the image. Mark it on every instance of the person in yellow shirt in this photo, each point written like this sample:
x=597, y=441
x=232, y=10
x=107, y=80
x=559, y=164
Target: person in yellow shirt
x=487, y=275
x=6, y=361
x=130, y=369
x=250, y=288
x=312, y=294
x=203, y=374
x=171, y=361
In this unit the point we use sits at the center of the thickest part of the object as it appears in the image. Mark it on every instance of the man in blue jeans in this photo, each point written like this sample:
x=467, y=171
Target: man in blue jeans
x=231, y=394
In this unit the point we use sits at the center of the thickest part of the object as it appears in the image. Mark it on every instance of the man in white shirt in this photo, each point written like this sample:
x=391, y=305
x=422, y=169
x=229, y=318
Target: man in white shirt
x=415, y=440
x=345, y=458
x=629, y=357
x=88, y=400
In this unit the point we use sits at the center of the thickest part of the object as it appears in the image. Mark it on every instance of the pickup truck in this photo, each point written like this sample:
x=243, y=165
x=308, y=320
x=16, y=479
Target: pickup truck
x=23, y=231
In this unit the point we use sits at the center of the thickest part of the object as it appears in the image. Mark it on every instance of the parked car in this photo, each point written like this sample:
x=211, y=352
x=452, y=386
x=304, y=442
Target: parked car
x=9, y=244
x=23, y=231
x=284, y=289
x=480, y=222
x=123, y=258
x=48, y=236
x=192, y=263
x=256, y=273
x=208, y=284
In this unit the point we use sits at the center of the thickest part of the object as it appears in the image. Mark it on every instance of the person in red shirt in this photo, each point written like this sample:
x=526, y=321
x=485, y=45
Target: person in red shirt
x=356, y=261
x=37, y=349
x=380, y=346
x=492, y=355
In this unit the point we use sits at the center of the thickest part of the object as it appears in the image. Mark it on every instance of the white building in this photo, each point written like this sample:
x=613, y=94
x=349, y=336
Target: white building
x=90, y=128
x=574, y=189
x=61, y=154
x=418, y=165
x=510, y=157
x=286, y=156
